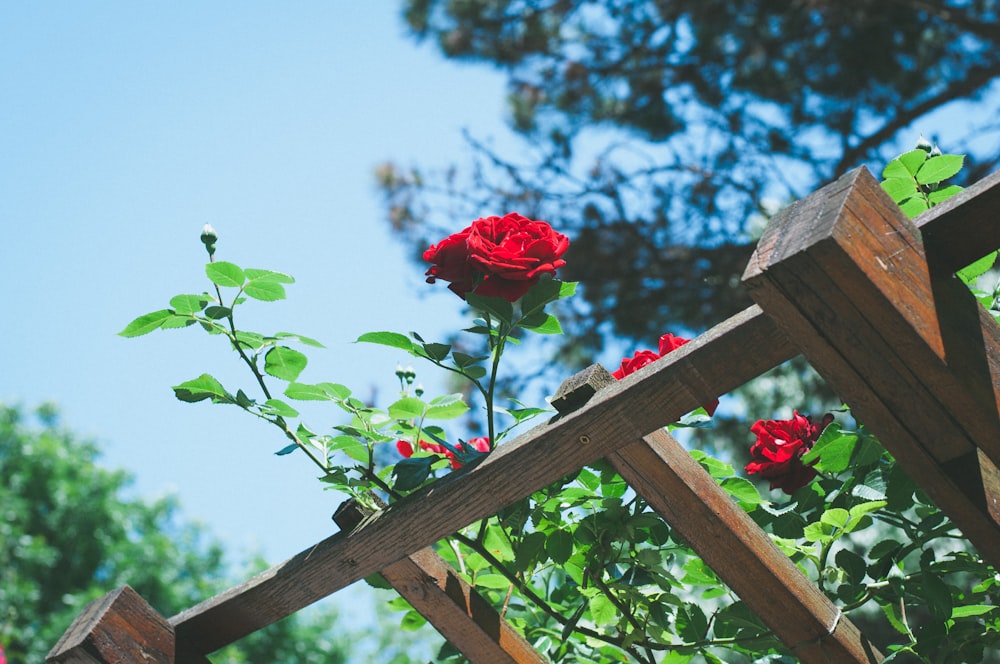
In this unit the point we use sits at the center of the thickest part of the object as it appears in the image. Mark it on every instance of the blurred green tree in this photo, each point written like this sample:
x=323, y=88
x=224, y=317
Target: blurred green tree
x=659, y=134
x=68, y=536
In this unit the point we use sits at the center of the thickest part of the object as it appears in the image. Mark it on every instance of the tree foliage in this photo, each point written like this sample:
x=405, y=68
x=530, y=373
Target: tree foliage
x=657, y=134
x=68, y=536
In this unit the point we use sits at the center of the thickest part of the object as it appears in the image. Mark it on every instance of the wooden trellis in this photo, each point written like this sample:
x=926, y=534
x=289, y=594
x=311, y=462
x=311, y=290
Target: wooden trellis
x=842, y=277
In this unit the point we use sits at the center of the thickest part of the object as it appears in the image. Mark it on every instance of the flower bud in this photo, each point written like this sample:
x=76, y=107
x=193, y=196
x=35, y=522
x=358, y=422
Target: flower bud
x=419, y=390
x=209, y=237
x=924, y=144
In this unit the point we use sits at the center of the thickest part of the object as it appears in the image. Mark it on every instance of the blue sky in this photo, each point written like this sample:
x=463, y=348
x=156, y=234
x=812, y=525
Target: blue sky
x=126, y=127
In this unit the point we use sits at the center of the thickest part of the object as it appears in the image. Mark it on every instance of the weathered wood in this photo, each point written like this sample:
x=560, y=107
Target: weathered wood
x=843, y=273
x=740, y=553
x=964, y=228
x=660, y=470
x=118, y=627
x=696, y=373
x=449, y=603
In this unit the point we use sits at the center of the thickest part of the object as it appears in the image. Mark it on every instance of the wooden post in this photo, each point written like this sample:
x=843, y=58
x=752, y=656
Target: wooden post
x=118, y=627
x=728, y=540
x=449, y=603
x=844, y=273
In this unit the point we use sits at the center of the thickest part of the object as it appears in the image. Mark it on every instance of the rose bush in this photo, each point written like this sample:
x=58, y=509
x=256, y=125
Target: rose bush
x=777, y=453
x=497, y=256
x=668, y=343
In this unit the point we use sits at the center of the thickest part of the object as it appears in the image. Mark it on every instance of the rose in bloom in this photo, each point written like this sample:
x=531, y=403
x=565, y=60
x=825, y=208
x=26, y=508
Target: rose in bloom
x=777, y=452
x=497, y=256
x=405, y=448
x=641, y=358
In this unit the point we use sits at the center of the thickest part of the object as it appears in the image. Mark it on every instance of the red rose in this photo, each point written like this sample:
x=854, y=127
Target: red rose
x=497, y=256
x=632, y=364
x=641, y=358
x=450, y=258
x=777, y=453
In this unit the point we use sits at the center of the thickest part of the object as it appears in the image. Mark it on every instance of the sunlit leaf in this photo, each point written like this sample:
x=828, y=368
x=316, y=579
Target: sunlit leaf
x=146, y=323
x=225, y=274
x=284, y=363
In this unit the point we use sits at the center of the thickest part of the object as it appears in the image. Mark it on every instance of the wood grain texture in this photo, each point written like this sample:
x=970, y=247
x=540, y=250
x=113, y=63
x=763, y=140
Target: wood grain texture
x=699, y=371
x=118, y=627
x=844, y=274
x=455, y=609
x=964, y=228
x=740, y=553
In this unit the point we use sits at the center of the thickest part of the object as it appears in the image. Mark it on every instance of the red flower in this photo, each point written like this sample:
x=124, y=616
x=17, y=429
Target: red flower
x=641, y=358
x=497, y=256
x=777, y=453
x=405, y=449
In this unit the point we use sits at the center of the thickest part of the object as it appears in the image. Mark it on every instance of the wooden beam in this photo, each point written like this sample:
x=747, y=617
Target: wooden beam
x=740, y=553
x=118, y=627
x=843, y=273
x=964, y=228
x=708, y=366
x=449, y=603
x=660, y=470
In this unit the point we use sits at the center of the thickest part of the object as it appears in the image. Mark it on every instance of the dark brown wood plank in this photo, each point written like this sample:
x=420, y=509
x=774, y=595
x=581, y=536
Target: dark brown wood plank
x=964, y=228
x=843, y=273
x=699, y=371
x=728, y=540
x=449, y=603
x=118, y=627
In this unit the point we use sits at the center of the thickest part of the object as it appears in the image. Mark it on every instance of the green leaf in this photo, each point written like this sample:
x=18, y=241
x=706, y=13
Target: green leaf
x=833, y=450
x=215, y=312
x=742, y=490
x=913, y=160
x=350, y=446
x=534, y=301
x=308, y=341
x=177, y=321
x=391, y=339
x=202, y=387
x=692, y=624
x=914, y=207
x=970, y=273
x=411, y=473
x=542, y=324
x=146, y=323
x=496, y=307
x=407, y=408
x=939, y=168
x=189, y=304
x=967, y=611
x=896, y=169
x=899, y=189
x=602, y=610
x=493, y=581
x=318, y=392
x=498, y=543
x=836, y=517
x=254, y=274
x=287, y=449
x=279, y=408
x=284, y=363
x=936, y=596
x=559, y=546
x=222, y=273
x=944, y=193
x=437, y=351
x=265, y=291
x=251, y=340
x=446, y=407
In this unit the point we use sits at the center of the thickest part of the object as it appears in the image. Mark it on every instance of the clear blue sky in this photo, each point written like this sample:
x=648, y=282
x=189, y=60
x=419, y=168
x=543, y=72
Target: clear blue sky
x=124, y=127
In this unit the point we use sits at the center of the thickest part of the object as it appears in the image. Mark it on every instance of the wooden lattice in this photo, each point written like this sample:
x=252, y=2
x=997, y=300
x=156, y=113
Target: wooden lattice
x=842, y=277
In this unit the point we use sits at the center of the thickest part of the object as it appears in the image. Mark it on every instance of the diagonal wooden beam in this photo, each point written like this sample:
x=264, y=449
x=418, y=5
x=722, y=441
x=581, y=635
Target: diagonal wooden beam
x=660, y=470
x=449, y=603
x=964, y=228
x=844, y=273
x=710, y=365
